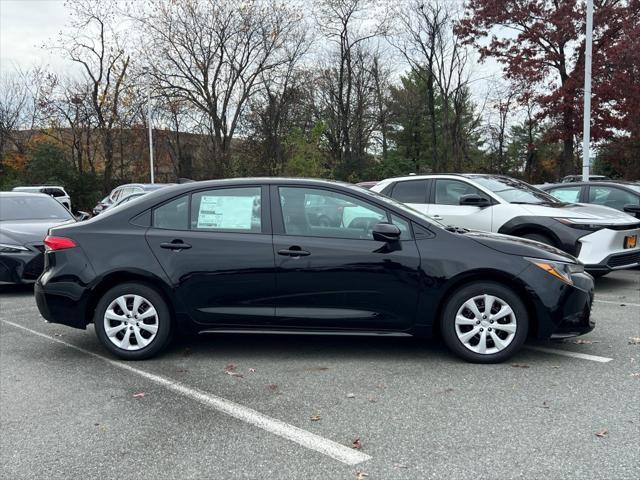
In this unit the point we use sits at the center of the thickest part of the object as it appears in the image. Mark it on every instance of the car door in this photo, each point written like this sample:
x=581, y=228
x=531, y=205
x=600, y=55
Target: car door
x=216, y=248
x=445, y=205
x=413, y=193
x=610, y=196
x=337, y=276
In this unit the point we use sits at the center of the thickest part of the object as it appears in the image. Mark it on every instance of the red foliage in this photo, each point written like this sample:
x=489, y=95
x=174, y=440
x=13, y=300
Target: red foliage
x=541, y=45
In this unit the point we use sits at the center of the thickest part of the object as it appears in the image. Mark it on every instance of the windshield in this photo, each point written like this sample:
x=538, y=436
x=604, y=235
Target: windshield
x=32, y=208
x=399, y=206
x=515, y=191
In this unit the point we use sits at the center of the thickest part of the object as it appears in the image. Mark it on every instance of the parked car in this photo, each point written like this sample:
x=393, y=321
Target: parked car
x=123, y=191
x=241, y=255
x=55, y=191
x=578, y=178
x=127, y=199
x=600, y=237
x=623, y=196
x=25, y=219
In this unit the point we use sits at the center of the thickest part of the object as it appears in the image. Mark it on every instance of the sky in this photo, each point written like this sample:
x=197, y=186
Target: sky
x=28, y=25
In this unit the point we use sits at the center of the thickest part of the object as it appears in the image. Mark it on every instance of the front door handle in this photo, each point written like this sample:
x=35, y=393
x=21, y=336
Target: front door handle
x=293, y=252
x=175, y=245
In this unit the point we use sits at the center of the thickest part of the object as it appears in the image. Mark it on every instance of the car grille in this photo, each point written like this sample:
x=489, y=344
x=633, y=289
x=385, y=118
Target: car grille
x=624, y=259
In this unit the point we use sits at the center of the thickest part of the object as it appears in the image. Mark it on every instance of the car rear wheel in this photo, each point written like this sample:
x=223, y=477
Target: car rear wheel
x=133, y=321
x=484, y=322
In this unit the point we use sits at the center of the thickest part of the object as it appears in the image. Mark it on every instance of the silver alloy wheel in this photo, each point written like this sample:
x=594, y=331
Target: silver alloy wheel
x=485, y=324
x=131, y=322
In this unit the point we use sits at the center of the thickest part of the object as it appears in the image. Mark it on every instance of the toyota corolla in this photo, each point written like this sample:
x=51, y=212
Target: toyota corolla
x=245, y=255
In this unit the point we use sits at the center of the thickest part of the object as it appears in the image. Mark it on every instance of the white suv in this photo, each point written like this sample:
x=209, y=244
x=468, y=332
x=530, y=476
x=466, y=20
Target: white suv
x=602, y=238
x=55, y=191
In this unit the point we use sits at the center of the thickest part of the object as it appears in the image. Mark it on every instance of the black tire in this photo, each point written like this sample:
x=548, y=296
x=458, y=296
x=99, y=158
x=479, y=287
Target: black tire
x=455, y=302
x=539, y=237
x=163, y=315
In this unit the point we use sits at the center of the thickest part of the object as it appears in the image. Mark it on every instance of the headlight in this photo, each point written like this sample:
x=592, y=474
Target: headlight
x=561, y=270
x=5, y=248
x=582, y=224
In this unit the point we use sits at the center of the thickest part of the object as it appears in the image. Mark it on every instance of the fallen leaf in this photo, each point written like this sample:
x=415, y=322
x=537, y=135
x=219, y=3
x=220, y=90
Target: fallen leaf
x=555, y=366
x=230, y=367
x=357, y=444
x=138, y=395
x=351, y=395
x=315, y=418
x=182, y=370
x=519, y=365
x=544, y=404
x=235, y=374
x=602, y=433
x=447, y=390
x=231, y=370
x=372, y=400
x=273, y=387
x=635, y=375
x=317, y=369
x=96, y=424
x=57, y=335
x=361, y=475
x=400, y=465
x=252, y=370
x=581, y=341
x=634, y=340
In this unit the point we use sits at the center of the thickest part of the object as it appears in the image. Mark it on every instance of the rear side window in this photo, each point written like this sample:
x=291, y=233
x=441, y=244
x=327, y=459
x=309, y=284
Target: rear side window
x=611, y=197
x=227, y=209
x=173, y=215
x=410, y=191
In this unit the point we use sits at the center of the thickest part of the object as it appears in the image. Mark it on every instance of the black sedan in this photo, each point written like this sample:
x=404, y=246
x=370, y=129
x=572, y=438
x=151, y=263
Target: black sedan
x=621, y=195
x=241, y=255
x=25, y=219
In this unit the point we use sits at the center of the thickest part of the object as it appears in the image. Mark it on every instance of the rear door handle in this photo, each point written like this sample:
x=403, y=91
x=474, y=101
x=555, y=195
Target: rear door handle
x=175, y=245
x=293, y=252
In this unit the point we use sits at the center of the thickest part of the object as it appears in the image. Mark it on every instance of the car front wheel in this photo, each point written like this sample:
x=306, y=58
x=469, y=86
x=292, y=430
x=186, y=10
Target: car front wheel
x=133, y=321
x=484, y=322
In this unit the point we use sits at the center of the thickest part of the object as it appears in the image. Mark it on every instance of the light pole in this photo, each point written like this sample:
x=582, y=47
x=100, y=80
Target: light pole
x=586, y=131
x=146, y=71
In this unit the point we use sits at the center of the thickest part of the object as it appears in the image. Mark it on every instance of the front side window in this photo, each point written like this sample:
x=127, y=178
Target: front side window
x=173, y=215
x=611, y=197
x=568, y=194
x=449, y=192
x=410, y=191
x=229, y=209
x=322, y=213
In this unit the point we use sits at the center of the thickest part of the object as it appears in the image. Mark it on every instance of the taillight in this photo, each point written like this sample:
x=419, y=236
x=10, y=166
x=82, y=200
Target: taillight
x=58, y=243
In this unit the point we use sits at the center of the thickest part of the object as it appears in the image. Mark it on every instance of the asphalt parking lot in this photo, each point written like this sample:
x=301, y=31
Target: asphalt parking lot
x=247, y=406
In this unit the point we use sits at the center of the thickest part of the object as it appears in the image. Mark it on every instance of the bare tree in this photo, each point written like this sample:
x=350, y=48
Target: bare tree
x=94, y=42
x=215, y=54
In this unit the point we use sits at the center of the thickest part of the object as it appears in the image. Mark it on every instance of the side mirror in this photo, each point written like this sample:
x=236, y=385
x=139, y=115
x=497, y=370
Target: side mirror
x=473, y=200
x=633, y=209
x=386, y=232
x=82, y=216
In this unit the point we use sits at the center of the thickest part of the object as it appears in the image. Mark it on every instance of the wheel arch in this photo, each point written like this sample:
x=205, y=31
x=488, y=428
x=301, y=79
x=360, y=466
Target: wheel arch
x=518, y=229
x=118, y=277
x=488, y=275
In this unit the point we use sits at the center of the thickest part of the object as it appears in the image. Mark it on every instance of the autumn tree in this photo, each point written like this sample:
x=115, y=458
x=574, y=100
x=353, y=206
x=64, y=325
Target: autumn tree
x=541, y=43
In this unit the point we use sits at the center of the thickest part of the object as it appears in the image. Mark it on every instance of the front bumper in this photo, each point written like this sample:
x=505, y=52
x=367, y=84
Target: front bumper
x=23, y=267
x=603, y=251
x=560, y=310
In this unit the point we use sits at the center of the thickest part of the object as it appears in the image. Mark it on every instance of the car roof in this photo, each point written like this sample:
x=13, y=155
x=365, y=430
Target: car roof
x=621, y=183
x=25, y=187
x=444, y=175
x=24, y=194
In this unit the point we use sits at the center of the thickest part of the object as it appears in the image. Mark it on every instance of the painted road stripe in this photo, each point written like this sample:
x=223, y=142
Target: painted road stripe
x=277, y=427
x=566, y=353
x=618, y=303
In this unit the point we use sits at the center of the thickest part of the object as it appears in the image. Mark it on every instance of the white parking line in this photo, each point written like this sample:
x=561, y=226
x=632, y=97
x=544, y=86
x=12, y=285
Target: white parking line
x=618, y=303
x=566, y=353
x=302, y=437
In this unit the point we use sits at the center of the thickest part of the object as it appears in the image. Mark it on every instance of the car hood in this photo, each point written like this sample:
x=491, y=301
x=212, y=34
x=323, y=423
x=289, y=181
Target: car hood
x=22, y=232
x=597, y=213
x=520, y=246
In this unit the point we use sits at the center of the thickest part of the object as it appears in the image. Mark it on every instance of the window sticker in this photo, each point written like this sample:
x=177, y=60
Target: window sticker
x=227, y=212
